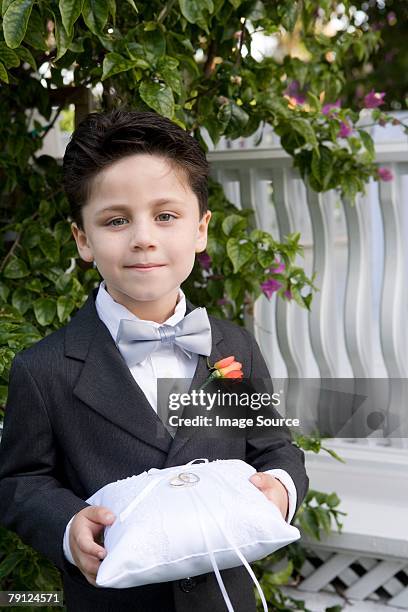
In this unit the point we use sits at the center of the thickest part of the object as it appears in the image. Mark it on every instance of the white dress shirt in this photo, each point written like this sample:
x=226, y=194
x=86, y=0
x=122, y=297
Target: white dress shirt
x=167, y=361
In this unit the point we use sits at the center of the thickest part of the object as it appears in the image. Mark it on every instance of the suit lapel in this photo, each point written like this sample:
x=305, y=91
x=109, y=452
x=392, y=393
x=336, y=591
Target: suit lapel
x=107, y=386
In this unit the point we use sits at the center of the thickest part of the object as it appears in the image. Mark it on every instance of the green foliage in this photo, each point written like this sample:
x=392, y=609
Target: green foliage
x=314, y=443
x=23, y=569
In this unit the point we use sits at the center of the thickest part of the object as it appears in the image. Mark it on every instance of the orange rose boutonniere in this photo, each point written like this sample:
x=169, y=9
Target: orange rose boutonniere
x=224, y=368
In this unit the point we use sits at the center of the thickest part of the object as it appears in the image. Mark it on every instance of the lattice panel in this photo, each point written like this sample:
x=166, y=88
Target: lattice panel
x=356, y=578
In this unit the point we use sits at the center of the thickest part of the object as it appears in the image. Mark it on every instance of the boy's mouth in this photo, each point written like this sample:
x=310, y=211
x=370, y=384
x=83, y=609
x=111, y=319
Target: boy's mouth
x=145, y=266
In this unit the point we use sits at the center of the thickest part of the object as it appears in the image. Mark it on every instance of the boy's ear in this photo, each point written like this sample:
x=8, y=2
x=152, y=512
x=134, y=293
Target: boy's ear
x=202, y=232
x=83, y=247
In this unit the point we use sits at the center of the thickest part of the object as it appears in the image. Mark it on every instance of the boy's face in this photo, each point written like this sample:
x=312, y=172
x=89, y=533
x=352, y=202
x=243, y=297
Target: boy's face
x=142, y=228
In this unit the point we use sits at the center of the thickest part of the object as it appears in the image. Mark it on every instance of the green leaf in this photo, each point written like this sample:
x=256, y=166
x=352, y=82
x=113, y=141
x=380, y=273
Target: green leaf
x=331, y=452
x=3, y=73
x=214, y=248
x=154, y=44
x=333, y=500
x=4, y=292
x=16, y=268
x=309, y=523
x=15, y=21
x=95, y=14
x=167, y=67
x=4, y=6
x=44, y=310
x=232, y=287
x=35, y=285
x=159, y=97
x=283, y=576
x=36, y=32
x=233, y=224
x=8, y=56
x=288, y=12
x=70, y=11
x=113, y=63
x=322, y=166
x=21, y=300
x=27, y=56
x=239, y=254
x=49, y=246
x=10, y=562
x=62, y=38
x=62, y=283
x=265, y=258
x=324, y=519
x=65, y=305
x=303, y=127
x=368, y=143
x=194, y=11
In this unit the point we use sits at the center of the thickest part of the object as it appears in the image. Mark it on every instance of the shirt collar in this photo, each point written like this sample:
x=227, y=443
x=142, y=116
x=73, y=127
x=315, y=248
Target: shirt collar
x=111, y=312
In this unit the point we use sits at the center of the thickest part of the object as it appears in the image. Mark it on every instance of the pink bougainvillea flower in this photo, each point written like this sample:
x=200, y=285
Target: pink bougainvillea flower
x=385, y=174
x=270, y=286
x=204, y=260
x=374, y=99
x=288, y=294
x=329, y=108
x=278, y=267
x=345, y=129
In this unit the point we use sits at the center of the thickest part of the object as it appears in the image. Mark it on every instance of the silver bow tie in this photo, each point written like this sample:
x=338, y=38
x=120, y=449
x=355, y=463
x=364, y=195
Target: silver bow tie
x=137, y=339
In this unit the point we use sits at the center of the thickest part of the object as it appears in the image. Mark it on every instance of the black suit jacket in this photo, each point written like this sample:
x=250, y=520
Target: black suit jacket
x=76, y=420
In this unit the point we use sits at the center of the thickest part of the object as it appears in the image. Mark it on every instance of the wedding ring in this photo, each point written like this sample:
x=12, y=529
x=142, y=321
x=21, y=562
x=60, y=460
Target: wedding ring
x=176, y=482
x=189, y=477
x=184, y=479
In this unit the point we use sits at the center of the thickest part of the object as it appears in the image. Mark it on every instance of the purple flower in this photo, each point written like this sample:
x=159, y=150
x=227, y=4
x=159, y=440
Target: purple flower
x=345, y=129
x=328, y=108
x=293, y=91
x=385, y=174
x=204, y=260
x=270, y=286
x=279, y=269
x=222, y=302
x=374, y=99
x=288, y=294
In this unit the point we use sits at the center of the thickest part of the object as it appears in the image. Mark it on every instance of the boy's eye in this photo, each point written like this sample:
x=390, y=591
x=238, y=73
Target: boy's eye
x=167, y=215
x=112, y=222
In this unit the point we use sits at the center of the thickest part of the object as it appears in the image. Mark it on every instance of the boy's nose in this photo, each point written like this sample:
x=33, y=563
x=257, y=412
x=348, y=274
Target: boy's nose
x=142, y=237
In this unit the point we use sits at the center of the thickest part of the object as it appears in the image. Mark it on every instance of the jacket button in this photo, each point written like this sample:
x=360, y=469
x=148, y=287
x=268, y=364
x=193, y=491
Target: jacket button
x=187, y=584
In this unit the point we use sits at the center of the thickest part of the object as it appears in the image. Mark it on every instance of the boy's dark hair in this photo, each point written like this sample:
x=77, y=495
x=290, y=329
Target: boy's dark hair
x=103, y=138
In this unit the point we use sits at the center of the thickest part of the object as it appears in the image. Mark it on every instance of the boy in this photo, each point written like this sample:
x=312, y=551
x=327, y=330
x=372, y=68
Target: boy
x=82, y=402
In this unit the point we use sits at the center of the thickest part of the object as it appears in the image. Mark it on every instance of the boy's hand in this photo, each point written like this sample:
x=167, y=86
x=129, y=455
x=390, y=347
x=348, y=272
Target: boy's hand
x=273, y=489
x=83, y=535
